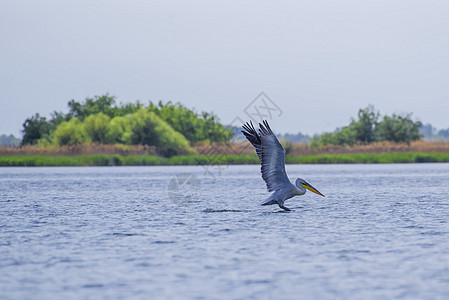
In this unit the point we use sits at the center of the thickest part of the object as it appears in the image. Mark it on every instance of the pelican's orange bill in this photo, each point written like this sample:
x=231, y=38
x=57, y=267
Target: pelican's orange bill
x=312, y=189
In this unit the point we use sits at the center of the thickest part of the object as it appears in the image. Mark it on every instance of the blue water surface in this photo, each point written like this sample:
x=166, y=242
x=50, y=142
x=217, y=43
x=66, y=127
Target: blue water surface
x=190, y=233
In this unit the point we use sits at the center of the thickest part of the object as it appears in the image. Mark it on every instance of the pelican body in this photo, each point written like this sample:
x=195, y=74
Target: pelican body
x=272, y=158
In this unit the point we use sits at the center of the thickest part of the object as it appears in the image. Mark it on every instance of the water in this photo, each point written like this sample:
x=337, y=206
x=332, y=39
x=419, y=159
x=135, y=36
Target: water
x=113, y=232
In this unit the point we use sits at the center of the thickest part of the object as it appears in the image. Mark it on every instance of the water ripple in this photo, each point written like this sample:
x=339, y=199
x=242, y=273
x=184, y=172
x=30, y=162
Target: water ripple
x=114, y=233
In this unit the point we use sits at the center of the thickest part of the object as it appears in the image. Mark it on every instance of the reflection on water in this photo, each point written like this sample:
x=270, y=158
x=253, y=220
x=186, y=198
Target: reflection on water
x=381, y=231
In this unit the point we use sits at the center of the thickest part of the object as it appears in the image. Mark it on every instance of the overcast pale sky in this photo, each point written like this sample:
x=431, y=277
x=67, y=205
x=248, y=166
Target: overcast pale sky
x=319, y=61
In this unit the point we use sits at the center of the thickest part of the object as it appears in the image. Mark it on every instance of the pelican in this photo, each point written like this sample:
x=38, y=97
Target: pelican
x=272, y=159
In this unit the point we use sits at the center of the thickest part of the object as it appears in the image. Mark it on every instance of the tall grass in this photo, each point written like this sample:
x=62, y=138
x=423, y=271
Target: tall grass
x=214, y=154
x=80, y=149
x=245, y=148
x=228, y=149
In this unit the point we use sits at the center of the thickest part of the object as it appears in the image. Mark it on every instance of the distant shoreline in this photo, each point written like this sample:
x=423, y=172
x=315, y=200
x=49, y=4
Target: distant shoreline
x=222, y=159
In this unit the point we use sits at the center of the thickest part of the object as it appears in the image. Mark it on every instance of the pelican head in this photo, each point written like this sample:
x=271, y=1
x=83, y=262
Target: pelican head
x=302, y=185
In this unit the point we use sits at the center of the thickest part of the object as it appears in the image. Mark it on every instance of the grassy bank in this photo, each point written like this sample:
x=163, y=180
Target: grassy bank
x=118, y=160
x=369, y=158
x=150, y=160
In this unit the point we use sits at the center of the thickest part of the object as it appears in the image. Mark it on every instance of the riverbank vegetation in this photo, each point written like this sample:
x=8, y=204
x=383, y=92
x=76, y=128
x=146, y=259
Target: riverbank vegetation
x=171, y=128
x=151, y=160
x=221, y=154
x=369, y=128
x=100, y=132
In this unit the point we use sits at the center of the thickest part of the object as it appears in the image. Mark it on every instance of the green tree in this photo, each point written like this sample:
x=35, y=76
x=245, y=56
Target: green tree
x=399, y=129
x=119, y=131
x=56, y=119
x=346, y=136
x=212, y=130
x=148, y=129
x=323, y=140
x=170, y=141
x=128, y=108
x=69, y=133
x=97, y=127
x=98, y=115
x=34, y=128
x=365, y=125
x=99, y=104
x=193, y=126
x=367, y=129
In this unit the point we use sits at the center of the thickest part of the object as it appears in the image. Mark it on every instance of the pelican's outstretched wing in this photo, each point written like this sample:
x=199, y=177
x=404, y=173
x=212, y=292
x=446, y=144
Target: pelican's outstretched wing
x=253, y=137
x=271, y=154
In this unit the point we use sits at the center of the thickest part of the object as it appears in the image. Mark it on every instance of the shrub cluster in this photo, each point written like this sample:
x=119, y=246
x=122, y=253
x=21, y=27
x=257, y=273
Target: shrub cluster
x=171, y=128
x=369, y=127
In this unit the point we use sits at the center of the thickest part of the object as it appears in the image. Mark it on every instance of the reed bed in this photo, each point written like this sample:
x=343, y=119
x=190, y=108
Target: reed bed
x=241, y=148
x=80, y=150
x=245, y=148
x=118, y=160
x=221, y=154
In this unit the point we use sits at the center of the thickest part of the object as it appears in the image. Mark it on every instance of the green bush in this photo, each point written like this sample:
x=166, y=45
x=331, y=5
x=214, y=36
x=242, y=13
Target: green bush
x=172, y=128
x=148, y=129
x=34, y=128
x=367, y=129
x=69, y=133
x=399, y=129
x=195, y=127
x=119, y=131
x=96, y=128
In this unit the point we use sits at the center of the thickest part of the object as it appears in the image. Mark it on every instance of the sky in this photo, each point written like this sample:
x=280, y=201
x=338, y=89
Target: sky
x=317, y=62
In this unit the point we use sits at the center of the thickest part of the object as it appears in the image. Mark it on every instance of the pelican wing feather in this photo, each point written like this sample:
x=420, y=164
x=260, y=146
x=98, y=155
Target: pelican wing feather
x=271, y=155
x=253, y=138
